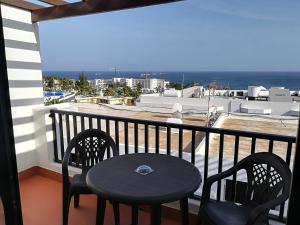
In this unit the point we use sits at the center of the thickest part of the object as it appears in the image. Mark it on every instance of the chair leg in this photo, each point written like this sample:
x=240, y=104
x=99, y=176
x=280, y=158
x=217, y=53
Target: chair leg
x=76, y=200
x=101, y=203
x=135, y=215
x=66, y=206
x=116, y=213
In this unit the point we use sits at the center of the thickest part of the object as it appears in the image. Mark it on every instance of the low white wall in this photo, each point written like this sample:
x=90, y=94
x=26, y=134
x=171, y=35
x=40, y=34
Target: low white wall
x=278, y=108
x=44, y=138
x=201, y=147
x=26, y=160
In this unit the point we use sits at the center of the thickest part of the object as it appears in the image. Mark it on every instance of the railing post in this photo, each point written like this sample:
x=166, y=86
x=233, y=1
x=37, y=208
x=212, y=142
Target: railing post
x=193, y=147
x=146, y=138
x=61, y=136
x=235, y=160
x=157, y=139
x=168, y=140
x=68, y=128
x=52, y=115
x=293, y=217
x=180, y=142
x=126, y=142
x=107, y=132
x=207, y=134
x=117, y=140
x=136, y=137
x=220, y=167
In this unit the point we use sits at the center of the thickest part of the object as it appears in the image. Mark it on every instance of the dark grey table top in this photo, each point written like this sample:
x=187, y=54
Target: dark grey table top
x=116, y=179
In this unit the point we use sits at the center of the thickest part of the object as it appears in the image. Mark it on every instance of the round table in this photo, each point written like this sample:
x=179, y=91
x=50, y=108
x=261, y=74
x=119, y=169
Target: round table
x=172, y=179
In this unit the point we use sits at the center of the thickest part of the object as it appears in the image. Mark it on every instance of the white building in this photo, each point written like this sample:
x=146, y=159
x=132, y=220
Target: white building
x=226, y=93
x=258, y=93
x=118, y=80
x=99, y=83
x=147, y=84
x=274, y=94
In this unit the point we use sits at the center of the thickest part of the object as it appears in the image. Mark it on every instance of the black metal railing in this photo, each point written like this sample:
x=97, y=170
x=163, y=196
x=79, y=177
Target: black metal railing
x=64, y=130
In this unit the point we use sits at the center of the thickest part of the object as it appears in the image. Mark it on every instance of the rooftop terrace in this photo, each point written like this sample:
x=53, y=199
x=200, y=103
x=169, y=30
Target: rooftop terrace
x=137, y=113
x=255, y=124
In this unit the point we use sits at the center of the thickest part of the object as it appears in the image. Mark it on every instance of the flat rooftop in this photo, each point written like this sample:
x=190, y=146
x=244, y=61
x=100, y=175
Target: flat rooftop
x=254, y=124
x=137, y=113
x=235, y=122
x=191, y=119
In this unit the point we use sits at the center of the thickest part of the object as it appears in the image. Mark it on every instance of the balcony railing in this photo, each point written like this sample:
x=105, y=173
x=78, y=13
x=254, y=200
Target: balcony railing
x=184, y=141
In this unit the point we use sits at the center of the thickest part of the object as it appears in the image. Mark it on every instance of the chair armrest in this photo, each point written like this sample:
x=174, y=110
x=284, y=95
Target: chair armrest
x=209, y=181
x=113, y=146
x=265, y=207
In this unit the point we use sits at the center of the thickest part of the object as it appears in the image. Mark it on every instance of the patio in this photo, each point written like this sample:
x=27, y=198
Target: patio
x=47, y=187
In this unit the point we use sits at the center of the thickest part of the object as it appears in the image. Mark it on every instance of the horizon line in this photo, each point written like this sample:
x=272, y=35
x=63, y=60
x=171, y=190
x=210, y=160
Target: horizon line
x=161, y=71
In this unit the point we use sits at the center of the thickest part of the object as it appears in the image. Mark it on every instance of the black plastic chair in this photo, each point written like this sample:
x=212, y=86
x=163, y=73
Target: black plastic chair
x=89, y=147
x=269, y=180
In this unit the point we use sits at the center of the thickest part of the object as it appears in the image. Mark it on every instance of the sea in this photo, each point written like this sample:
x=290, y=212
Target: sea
x=232, y=80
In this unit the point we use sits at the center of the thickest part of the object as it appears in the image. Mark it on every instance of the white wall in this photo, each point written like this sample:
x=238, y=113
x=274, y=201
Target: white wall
x=44, y=137
x=278, y=108
x=280, y=95
x=25, y=78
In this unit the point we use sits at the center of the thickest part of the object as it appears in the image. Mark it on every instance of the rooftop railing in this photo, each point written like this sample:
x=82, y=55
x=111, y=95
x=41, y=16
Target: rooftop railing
x=192, y=143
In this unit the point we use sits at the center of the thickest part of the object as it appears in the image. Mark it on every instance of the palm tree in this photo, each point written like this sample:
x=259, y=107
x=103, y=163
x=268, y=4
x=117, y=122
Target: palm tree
x=109, y=91
x=127, y=91
x=211, y=88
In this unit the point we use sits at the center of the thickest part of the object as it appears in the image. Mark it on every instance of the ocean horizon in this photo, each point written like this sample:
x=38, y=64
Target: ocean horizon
x=231, y=79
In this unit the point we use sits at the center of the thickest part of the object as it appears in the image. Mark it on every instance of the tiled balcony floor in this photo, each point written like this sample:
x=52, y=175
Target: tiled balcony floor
x=41, y=204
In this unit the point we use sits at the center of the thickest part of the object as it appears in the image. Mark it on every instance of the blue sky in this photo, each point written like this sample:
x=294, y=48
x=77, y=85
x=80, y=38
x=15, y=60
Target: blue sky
x=190, y=35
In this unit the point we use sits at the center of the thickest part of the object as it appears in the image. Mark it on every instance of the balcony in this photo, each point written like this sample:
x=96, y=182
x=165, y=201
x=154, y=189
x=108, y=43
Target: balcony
x=210, y=149
x=40, y=134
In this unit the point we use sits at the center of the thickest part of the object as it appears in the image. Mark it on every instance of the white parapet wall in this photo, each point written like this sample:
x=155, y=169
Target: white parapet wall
x=25, y=79
x=43, y=138
x=229, y=105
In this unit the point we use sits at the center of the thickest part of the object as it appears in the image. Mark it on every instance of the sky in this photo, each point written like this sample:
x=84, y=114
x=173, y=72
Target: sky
x=192, y=35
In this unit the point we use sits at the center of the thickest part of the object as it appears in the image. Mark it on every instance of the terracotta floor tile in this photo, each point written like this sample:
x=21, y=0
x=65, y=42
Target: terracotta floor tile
x=41, y=205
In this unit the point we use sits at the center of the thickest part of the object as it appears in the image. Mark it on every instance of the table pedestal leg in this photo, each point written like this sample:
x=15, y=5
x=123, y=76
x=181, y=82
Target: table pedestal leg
x=134, y=214
x=156, y=215
x=116, y=213
x=101, y=203
x=184, y=205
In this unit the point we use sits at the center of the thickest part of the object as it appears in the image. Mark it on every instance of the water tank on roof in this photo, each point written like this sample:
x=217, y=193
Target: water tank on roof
x=253, y=91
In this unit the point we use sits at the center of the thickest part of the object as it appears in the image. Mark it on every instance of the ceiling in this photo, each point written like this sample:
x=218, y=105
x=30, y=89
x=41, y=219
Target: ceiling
x=54, y=9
